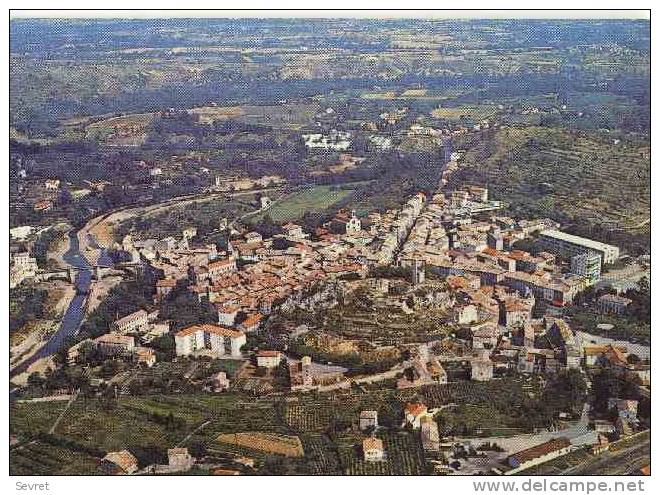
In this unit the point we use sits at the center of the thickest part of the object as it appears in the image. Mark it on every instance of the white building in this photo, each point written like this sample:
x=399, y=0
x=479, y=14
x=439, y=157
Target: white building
x=215, y=340
x=335, y=140
x=221, y=267
x=179, y=459
x=114, y=344
x=52, y=184
x=414, y=412
x=24, y=266
x=268, y=359
x=482, y=370
x=430, y=434
x=538, y=454
x=587, y=265
x=373, y=450
x=571, y=245
x=227, y=314
x=368, y=419
x=135, y=322
x=610, y=303
x=189, y=232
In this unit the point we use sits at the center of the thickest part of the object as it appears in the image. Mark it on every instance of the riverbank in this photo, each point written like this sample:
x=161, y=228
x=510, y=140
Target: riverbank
x=72, y=317
x=25, y=342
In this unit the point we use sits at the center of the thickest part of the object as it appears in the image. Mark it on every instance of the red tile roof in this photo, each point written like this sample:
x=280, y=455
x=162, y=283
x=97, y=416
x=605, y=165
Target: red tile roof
x=208, y=328
x=541, y=450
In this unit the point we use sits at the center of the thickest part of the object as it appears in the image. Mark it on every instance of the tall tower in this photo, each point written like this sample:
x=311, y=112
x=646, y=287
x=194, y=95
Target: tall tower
x=418, y=273
x=306, y=370
x=528, y=335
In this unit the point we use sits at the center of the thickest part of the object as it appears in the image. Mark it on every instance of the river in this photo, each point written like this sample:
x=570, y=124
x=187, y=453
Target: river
x=75, y=313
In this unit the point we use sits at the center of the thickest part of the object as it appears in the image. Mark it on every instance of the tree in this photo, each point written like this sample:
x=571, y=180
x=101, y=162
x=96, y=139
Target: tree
x=35, y=380
x=282, y=377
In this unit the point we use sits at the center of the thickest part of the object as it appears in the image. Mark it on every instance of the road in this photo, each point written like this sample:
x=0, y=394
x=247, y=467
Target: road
x=624, y=461
x=578, y=433
x=123, y=213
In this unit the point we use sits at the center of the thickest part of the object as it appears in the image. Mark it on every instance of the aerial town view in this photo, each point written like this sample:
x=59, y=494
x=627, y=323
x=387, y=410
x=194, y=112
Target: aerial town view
x=329, y=246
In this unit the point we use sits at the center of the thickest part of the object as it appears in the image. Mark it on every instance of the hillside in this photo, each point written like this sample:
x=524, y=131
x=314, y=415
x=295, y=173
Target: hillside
x=593, y=183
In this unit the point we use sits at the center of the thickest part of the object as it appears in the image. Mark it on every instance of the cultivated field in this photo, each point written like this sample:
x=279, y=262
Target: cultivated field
x=208, y=115
x=272, y=443
x=38, y=458
x=403, y=450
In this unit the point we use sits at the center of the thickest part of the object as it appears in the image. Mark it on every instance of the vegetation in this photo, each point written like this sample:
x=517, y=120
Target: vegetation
x=127, y=297
x=634, y=325
x=26, y=303
x=313, y=200
x=575, y=178
x=508, y=406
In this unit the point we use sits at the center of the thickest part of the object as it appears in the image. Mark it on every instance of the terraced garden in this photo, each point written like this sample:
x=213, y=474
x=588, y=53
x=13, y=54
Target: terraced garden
x=594, y=184
x=387, y=326
x=403, y=451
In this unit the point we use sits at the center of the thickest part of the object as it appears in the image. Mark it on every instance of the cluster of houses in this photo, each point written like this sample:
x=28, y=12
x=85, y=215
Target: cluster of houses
x=449, y=241
x=492, y=286
x=334, y=140
x=416, y=416
x=123, y=462
x=125, y=336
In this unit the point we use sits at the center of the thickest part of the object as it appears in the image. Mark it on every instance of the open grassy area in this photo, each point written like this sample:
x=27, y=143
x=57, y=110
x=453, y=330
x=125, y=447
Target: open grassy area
x=208, y=115
x=294, y=206
x=30, y=418
x=464, y=112
x=285, y=116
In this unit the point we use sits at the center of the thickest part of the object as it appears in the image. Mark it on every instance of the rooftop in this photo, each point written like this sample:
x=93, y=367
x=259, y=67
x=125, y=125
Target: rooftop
x=372, y=444
x=209, y=328
x=541, y=450
x=574, y=239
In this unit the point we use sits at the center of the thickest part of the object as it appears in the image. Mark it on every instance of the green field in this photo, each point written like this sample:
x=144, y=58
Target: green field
x=43, y=459
x=295, y=205
x=326, y=425
x=464, y=112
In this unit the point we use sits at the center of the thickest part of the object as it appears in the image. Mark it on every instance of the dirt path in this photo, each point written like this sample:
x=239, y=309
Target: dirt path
x=59, y=418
